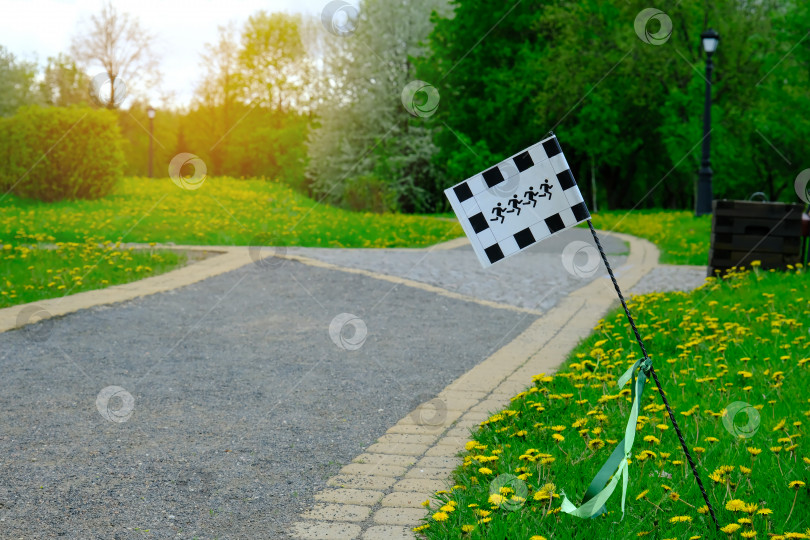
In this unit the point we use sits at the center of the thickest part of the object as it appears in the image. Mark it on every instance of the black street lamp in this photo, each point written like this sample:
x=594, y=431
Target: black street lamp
x=709, y=39
x=150, y=112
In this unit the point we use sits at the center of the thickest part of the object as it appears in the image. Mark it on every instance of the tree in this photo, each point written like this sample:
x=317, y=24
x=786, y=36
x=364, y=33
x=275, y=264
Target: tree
x=366, y=136
x=63, y=82
x=123, y=49
x=630, y=108
x=16, y=83
x=218, y=94
x=269, y=58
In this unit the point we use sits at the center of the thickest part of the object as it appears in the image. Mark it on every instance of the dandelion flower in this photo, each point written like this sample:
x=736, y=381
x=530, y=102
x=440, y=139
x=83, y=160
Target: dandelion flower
x=735, y=505
x=680, y=519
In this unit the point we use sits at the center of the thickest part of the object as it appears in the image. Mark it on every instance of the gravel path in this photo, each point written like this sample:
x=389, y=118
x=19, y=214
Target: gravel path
x=242, y=406
x=235, y=402
x=536, y=279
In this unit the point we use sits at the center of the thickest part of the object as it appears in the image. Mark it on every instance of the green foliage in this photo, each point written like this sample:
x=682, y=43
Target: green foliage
x=633, y=108
x=17, y=86
x=364, y=130
x=63, y=83
x=742, y=339
x=368, y=193
x=50, y=154
x=268, y=58
x=248, y=118
x=265, y=143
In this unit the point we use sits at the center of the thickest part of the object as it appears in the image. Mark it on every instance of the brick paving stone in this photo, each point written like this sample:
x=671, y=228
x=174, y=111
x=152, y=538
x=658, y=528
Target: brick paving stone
x=400, y=516
x=363, y=497
x=403, y=449
x=337, y=512
x=385, y=459
x=373, y=469
x=439, y=462
x=398, y=438
x=428, y=473
x=417, y=484
x=389, y=532
x=318, y=530
x=352, y=481
x=405, y=499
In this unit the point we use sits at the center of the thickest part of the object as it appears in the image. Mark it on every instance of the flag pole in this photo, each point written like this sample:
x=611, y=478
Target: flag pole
x=654, y=375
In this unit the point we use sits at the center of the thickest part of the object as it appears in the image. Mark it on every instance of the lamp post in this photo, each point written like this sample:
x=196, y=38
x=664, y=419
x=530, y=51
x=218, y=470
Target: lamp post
x=150, y=112
x=709, y=39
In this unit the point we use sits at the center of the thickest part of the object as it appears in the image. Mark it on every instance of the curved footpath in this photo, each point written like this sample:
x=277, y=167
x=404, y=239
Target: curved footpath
x=250, y=415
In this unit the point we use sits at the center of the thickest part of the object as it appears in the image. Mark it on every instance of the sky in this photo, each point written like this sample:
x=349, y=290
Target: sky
x=36, y=29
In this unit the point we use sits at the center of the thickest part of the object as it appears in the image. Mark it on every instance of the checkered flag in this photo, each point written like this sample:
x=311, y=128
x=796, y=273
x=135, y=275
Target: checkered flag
x=520, y=201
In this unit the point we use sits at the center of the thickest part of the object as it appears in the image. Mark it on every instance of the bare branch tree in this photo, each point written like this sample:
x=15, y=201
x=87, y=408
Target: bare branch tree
x=119, y=44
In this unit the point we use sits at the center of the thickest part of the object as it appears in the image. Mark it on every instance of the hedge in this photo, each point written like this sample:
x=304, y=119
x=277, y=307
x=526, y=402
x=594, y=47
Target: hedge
x=55, y=153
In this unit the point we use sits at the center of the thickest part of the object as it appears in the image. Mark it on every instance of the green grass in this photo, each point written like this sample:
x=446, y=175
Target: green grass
x=223, y=211
x=744, y=338
x=31, y=273
x=681, y=237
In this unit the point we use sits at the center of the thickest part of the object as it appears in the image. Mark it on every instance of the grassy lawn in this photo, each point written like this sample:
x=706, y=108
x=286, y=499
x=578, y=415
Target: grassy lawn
x=31, y=273
x=742, y=339
x=223, y=211
x=681, y=237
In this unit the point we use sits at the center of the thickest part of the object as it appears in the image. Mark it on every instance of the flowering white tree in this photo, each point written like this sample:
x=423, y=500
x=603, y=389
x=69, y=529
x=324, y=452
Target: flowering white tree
x=367, y=141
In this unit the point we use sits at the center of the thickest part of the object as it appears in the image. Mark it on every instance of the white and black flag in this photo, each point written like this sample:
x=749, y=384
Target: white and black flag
x=520, y=201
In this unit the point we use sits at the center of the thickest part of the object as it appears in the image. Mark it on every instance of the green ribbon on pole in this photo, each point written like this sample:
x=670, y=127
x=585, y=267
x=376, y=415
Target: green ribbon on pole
x=597, y=494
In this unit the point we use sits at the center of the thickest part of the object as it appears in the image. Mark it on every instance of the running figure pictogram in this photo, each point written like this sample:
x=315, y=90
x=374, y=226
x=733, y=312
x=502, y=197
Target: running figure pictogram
x=530, y=195
x=546, y=187
x=514, y=202
x=498, y=210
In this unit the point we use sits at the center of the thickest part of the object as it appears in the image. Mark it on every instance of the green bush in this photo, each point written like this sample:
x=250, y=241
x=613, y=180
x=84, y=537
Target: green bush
x=55, y=153
x=370, y=194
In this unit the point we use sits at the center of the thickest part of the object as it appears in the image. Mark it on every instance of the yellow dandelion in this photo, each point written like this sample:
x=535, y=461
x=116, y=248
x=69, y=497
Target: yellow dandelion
x=680, y=519
x=735, y=505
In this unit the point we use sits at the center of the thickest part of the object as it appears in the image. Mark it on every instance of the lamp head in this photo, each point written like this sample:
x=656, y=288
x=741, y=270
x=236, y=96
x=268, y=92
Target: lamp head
x=710, y=38
x=150, y=112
